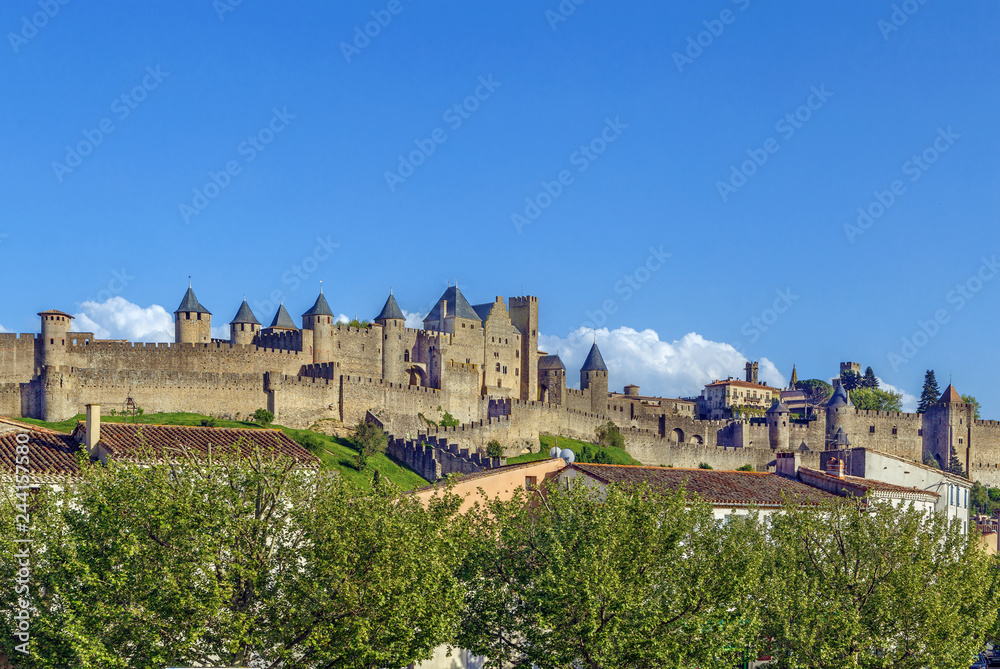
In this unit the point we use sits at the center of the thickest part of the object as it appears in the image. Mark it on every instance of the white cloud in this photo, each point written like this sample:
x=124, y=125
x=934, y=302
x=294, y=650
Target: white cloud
x=670, y=369
x=3, y=329
x=221, y=332
x=342, y=318
x=414, y=319
x=909, y=401
x=117, y=318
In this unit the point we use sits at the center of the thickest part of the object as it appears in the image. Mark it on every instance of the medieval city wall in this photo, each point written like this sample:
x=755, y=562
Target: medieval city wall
x=68, y=390
x=983, y=454
x=17, y=357
x=874, y=430
x=358, y=350
x=300, y=401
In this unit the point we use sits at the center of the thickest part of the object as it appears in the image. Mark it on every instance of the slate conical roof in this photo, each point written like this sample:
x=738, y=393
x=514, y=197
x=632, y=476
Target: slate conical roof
x=840, y=439
x=777, y=407
x=320, y=308
x=840, y=398
x=390, y=311
x=458, y=306
x=950, y=396
x=551, y=362
x=282, y=320
x=594, y=361
x=245, y=315
x=191, y=303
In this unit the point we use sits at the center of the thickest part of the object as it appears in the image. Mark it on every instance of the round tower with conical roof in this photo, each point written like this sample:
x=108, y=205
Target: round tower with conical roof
x=838, y=409
x=594, y=376
x=319, y=320
x=192, y=321
x=778, y=429
x=244, y=327
x=393, y=327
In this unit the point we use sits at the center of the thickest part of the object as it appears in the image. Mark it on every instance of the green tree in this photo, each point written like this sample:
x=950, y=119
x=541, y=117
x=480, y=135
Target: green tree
x=930, y=394
x=863, y=584
x=817, y=391
x=870, y=380
x=369, y=439
x=237, y=561
x=263, y=417
x=875, y=399
x=609, y=435
x=745, y=468
x=628, y=579
x=494, y=449
x=704, y=465
x=984, y=500
x=851, y=380
x=955, y=464
x=447, y=420
x=969, y=399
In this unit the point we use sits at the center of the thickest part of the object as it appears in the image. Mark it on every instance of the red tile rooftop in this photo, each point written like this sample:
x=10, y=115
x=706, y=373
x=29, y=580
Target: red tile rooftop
x=721, y=488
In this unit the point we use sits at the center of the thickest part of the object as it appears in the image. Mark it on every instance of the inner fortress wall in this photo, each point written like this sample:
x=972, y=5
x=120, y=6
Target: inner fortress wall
x=212, y=357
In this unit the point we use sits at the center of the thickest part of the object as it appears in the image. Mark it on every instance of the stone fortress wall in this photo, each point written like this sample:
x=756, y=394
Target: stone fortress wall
x=479, y=363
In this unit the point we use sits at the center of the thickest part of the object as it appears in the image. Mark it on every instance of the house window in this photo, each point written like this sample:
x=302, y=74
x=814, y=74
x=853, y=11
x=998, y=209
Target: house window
x=894, y=431
x=406, y=356
x=960, y=440
x=515, y=371
x=505, y=371
x=530, y=482
x=872, y=429
x=199, y=315
x=920, y=433
x=498, y=366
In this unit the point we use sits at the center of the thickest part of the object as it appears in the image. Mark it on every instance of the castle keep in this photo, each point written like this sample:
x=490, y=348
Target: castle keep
x=480, y=363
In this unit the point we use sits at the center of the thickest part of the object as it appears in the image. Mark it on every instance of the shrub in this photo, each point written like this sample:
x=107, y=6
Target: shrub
x=369, y=439
x=494, y=449
x=208, y=422
x=744, y=468
x=705, y=465
x=609, y=435
x=447, y=420
x=263, y=417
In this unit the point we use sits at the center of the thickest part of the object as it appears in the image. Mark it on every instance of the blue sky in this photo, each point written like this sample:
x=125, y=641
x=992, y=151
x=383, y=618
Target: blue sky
x=633, y=116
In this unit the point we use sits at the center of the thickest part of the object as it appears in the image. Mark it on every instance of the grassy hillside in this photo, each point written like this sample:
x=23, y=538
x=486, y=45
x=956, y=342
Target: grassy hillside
x=583, y=450
x=334, y=452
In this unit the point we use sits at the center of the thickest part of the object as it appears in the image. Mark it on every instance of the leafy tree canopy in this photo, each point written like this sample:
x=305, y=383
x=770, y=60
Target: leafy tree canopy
x=969, y=399
x=851, y=380
x=869, y=380
x=875, y=399
x=817, y=391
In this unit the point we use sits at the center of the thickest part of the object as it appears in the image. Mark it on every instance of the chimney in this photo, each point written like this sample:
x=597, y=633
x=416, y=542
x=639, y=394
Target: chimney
x=835, y=468
x=93, y=426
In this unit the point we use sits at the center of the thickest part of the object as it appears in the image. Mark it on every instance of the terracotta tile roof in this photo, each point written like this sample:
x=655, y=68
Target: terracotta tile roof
x=126, y=441
x=744, y=384
x=720, y=488
x=864, y=485
x=951, y=395
x=51, y=454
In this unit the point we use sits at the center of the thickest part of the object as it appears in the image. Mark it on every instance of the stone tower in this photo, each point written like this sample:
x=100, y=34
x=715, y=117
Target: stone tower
x=752, y=368
x=319, y=320
x=244, y=327
x=551, y=379
x=524, y=316
x=777, y=426
x=192, y=321
x=838, y=408
x=393, y=349
x=594, y=375
x=946, y=425
x=55, y=330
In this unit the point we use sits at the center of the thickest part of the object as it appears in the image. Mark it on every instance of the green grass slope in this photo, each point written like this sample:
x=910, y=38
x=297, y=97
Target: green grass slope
x=583, y=450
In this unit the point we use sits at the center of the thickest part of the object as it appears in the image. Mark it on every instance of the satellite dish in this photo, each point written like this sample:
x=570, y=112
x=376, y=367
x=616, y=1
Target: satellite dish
x=554, y=452
x=568, y=455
